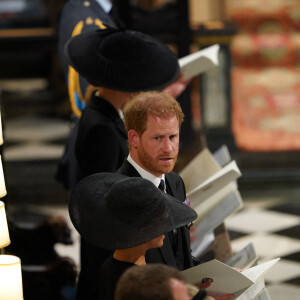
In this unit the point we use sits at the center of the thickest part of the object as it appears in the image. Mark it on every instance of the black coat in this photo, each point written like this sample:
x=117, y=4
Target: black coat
x=109, y=275
x=77, y=16
x=101, y=143
x=165, y=255
x=101, y=146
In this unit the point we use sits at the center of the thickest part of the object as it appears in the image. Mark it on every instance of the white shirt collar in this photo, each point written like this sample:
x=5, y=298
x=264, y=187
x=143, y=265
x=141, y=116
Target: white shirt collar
x=145, y=174
x=105, y=4
x=121, y=113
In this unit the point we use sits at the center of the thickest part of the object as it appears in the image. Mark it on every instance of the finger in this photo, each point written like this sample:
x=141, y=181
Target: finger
x=237, y=269
x=206, y=282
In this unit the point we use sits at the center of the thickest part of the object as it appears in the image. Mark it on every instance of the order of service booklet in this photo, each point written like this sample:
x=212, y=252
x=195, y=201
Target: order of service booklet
x=212, y=190
x=199, y=62
x=244, y=258
x=222, y=179
x=210, y=216
x=227, y=280
x=199, y=169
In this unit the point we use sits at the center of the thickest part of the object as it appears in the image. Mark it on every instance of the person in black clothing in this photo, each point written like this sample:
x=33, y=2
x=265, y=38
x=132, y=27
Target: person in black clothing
x=131, y=216
x=120, y=64
x=80, y=16
x=130, y=62
x=76, y=18
x=153, y=120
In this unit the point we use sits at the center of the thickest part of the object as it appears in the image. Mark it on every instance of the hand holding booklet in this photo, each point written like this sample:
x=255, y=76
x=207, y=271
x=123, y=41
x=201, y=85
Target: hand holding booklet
x=199, y=62
x=227, y=280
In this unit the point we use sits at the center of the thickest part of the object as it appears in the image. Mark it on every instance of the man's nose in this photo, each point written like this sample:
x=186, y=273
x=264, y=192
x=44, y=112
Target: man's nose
x=167, y=145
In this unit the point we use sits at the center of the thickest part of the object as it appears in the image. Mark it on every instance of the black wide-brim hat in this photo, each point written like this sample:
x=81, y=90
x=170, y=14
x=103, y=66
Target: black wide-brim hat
x=122, y=60
x=114, y=211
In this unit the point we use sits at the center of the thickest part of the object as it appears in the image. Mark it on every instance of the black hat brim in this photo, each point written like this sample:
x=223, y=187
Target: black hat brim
x=105, y=227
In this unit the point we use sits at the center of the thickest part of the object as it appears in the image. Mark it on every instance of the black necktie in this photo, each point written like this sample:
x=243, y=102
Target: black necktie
x=174, y=236
x=162, y=186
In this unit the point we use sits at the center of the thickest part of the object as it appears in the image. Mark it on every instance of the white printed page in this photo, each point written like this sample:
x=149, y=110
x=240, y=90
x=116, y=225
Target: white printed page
x=199, y=62
x=259, y=271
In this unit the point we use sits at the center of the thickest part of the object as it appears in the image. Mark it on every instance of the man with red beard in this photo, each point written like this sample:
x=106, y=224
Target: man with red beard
x=153, y=120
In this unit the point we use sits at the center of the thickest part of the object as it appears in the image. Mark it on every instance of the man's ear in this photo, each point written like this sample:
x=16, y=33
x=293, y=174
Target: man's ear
x=133, y=138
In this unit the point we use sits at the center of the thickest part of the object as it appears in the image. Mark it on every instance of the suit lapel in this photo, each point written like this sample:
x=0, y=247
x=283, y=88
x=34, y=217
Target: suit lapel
x=162, y=255
x=166, y=250
x=173, y=187
x=177, y=190
x=128, y=169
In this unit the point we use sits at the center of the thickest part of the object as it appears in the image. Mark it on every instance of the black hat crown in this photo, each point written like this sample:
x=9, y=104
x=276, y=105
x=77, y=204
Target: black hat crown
x=122, y=60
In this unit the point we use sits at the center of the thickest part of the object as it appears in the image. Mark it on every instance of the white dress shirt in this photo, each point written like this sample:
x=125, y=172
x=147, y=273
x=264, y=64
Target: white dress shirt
x=145, y=174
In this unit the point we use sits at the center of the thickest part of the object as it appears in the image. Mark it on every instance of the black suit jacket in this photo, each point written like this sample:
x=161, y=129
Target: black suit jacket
x=165, y=254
